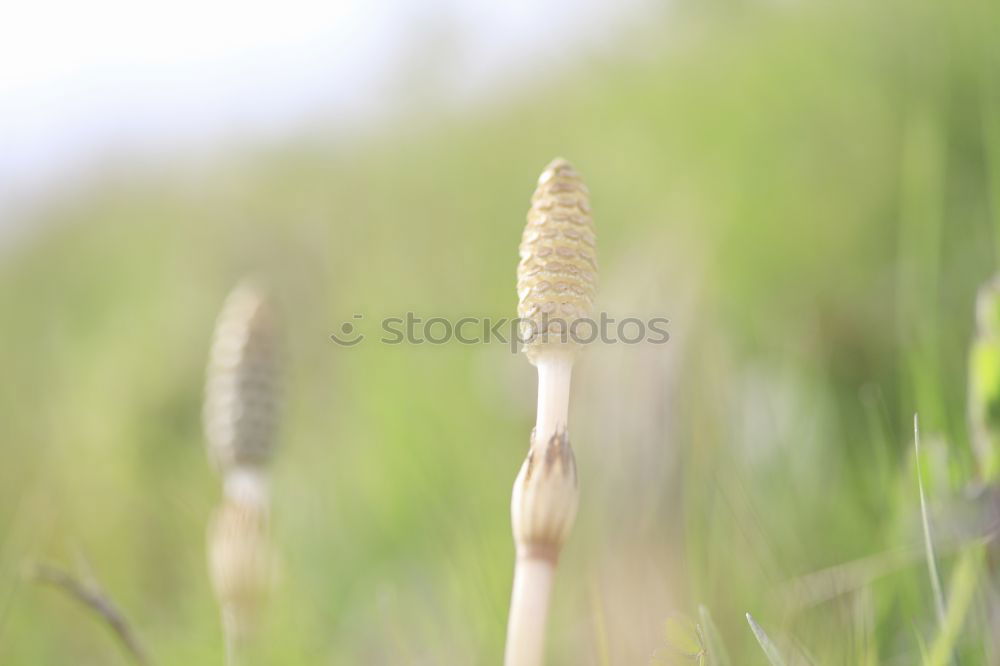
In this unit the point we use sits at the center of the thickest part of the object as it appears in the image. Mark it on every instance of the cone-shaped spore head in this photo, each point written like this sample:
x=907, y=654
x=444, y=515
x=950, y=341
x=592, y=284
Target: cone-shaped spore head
x=557, y=273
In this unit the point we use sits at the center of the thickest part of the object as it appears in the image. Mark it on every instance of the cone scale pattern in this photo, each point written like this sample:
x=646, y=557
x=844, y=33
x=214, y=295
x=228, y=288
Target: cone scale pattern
x=241, y=392
x=557, y=273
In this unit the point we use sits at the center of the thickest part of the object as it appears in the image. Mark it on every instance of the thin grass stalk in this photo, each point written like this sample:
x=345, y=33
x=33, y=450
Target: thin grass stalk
x=932, y=568
x=91, y=596
x=556, y=285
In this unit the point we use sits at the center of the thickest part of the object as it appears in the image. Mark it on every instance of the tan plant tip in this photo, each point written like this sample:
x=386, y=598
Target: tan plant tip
x=544, y=501
x=557, y=273
x=241, y=389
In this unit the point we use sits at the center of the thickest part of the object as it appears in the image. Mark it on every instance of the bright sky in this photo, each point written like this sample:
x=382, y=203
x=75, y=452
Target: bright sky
x=83, y=80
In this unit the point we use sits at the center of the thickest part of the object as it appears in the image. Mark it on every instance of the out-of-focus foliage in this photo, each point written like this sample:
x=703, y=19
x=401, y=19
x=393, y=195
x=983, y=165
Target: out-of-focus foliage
x=804, y=189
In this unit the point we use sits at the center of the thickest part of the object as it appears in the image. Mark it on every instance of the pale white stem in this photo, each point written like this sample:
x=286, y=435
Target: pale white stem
x=245, y=486
x=536, y=562
x=233, y=633
x=529, y=607
x=555, y=369
x=238, y=628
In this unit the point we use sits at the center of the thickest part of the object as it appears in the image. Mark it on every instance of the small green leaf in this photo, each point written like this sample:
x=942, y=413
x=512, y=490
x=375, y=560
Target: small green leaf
x=683, y=638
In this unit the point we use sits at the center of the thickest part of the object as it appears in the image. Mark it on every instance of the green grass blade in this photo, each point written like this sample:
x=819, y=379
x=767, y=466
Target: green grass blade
x=962, y=589
x=925, y=522
x=766, y=644
x=922, y=646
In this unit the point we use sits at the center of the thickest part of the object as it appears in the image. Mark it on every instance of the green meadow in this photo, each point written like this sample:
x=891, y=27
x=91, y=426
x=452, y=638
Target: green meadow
x=809, y=192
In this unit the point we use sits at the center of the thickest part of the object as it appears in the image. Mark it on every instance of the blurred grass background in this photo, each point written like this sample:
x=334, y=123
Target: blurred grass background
x=809, y=191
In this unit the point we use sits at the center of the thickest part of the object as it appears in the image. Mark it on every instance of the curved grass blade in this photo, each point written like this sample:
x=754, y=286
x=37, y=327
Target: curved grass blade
x=962, y=591
x=766, y=644
x=928, y=541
